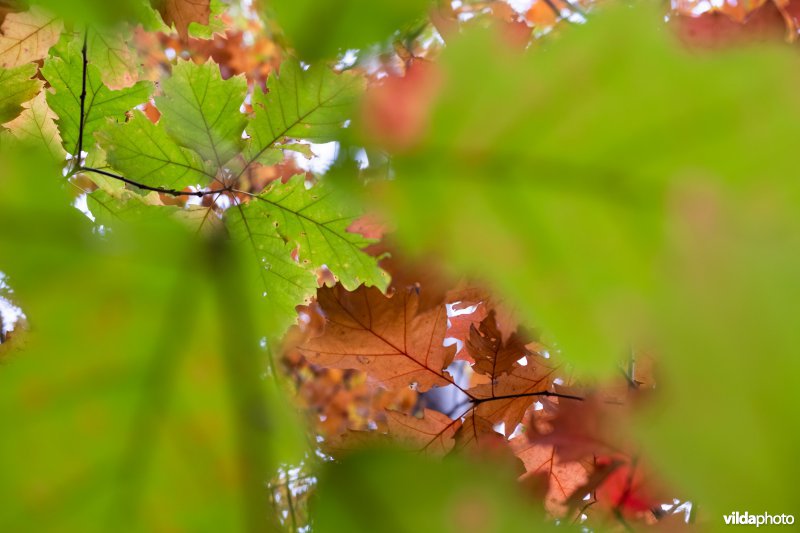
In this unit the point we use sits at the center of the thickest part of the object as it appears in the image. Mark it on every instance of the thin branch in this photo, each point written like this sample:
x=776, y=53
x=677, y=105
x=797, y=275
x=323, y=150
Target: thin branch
x=556, y=11
x=79, y=153
x=171, y=192
x=290, y=504
x=478, y=401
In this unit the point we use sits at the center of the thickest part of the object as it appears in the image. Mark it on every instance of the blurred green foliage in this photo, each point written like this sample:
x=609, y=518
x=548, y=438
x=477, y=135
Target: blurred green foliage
x=620, y=189
x=613, y=186
x=138, y=400
x=401, y=492
x=319, y=29
x=548, y=172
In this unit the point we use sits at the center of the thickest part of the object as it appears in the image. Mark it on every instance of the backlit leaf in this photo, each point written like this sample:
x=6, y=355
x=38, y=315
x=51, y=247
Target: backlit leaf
x=27, y=36
x=65, y=75
x=143, y=152
x=18, y=88
x=200, y=110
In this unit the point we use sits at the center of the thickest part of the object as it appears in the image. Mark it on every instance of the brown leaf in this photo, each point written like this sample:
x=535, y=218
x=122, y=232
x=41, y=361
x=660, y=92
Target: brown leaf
x=27, y=36
x=432, y=433
x=507, y=399
x=580, y=429
x=492, y=356
x=181, y=13
x=389, y=338
x=563, y=477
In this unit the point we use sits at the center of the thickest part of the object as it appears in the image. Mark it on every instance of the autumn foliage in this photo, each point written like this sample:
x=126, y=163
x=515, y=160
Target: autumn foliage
x=402, y=266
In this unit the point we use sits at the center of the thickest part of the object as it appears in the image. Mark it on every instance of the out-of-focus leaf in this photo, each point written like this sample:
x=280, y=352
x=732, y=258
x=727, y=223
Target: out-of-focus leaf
x=36, y=124
x=18, y=88
x=730, y=375
x=308, y=104
x=143, y=152
x=65, y=75
x=103, y=12
x=404, y=492
x=320, y=28
x=201, y=110
x=152, y=381
x=182, y=13
x=316, y=219
x=27, y=36
x=528, y=175
x=216, y=23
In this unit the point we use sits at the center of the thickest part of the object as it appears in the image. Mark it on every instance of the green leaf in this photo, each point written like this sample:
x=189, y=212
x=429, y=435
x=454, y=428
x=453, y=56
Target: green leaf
x=200, y=110
x=316, y=219
x=308, y=104
x=103, y=12
x=36, y=125
x=284, y=284
x=729, y=336
x=108, y=50
x=408, y=492
x=18, y=87
x=125, y=206
x=143, y=152
x=216, y=24
x=65, y=75
x=321, y=28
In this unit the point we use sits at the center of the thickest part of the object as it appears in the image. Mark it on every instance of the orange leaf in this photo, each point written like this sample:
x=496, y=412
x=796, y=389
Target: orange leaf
x=181, y=13
x=389, y=338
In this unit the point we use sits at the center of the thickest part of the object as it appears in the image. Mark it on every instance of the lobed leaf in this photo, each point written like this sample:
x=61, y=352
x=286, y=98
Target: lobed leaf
x=200, y=110
x=284, y=284
x=316, y=219
x=388, y=337
x=36, y=125
x=65, y=75
x=27, y=36
x=310, y=104
x=143, y=152
x=109, y=51
x=18, y=88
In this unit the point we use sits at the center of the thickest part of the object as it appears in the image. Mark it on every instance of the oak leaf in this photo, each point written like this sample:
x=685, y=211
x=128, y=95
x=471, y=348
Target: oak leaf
x=433, y=433
x=388, y=337
x=492, y=356
x=27, y=36
x=508, y=398
x=563, y=478
x=181, y=13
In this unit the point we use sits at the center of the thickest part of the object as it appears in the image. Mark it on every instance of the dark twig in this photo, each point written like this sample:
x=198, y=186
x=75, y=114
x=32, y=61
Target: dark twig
x=171, y=192
x=556, y=11
x=78, y=167
x=78, y=156
x=478, y=401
